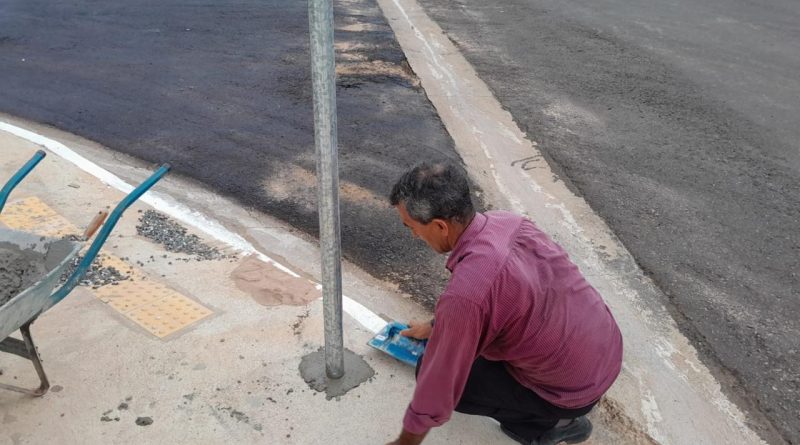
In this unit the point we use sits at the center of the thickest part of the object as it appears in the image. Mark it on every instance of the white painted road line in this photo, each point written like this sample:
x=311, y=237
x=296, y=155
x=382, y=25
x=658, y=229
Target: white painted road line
x=169, y=206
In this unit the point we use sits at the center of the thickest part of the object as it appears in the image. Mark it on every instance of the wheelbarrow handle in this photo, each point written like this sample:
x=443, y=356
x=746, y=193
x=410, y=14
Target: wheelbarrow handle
x=105, y=231
x=19, y=176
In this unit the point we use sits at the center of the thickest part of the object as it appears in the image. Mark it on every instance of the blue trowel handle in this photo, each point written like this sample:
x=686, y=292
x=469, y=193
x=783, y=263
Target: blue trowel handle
x=394, y=330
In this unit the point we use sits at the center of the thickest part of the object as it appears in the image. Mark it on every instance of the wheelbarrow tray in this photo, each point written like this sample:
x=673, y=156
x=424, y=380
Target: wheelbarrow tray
x=28, y=304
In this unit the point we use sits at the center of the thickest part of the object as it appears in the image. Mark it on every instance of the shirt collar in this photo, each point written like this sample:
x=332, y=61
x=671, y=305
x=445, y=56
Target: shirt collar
x=460, y=249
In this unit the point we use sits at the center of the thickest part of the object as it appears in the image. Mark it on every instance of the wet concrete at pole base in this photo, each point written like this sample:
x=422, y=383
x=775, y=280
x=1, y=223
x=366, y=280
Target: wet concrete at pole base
x=356, y=372
x=19, y=269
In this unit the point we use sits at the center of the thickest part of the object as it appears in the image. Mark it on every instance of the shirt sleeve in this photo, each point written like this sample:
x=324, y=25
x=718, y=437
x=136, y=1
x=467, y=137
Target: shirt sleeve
x=451, y=350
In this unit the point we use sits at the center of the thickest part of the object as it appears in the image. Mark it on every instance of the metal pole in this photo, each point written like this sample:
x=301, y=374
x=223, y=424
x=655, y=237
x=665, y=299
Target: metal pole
x=323, y=78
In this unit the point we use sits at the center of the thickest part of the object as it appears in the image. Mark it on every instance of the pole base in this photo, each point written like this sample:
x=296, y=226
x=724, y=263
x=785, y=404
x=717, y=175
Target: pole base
x=356, y=372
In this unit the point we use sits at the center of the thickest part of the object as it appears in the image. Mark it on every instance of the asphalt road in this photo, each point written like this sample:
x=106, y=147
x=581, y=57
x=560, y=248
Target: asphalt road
x=222, y=90
x=677, y=121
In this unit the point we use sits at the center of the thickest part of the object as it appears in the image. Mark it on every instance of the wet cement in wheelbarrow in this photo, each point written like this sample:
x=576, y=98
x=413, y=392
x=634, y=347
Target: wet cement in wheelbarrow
x=19, y=269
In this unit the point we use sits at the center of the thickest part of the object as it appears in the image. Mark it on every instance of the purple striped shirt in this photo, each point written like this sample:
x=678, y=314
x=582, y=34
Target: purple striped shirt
x=515, y=296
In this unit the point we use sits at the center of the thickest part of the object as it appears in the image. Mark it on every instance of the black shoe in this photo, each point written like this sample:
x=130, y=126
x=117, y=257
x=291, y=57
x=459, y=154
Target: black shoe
x=578, y=430
x=574, y=432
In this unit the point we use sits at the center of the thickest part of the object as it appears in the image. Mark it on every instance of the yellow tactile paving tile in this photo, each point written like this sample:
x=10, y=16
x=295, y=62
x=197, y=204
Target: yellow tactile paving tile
x=169, y=314
x=129, y=294
x=33, y=215
x=152, y=305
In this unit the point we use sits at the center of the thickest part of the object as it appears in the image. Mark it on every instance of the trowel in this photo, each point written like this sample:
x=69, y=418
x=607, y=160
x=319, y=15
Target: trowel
x=407, y=350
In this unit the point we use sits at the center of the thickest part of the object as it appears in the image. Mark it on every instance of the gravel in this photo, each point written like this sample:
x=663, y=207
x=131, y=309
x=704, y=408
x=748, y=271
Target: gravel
x=161, y=229
x=96, y=276
x=144, y=421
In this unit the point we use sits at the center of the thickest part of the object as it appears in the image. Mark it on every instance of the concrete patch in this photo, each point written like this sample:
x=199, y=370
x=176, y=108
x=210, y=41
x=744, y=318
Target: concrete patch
x=356, y=372
x=297, y=184
x=270, y=286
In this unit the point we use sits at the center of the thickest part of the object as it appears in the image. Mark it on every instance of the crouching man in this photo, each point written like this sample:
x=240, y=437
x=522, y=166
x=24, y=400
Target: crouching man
x=518, y=335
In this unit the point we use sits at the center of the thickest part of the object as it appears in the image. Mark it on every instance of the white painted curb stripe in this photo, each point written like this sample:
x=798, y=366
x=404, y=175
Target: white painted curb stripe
x=180, y=212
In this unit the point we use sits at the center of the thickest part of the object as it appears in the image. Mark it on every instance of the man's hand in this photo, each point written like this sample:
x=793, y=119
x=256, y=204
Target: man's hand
x=407, y=438
x=420, y=330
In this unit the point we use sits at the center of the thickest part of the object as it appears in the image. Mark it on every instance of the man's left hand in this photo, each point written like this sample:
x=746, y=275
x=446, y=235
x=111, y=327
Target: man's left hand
x=421, y=330
x=407, y=438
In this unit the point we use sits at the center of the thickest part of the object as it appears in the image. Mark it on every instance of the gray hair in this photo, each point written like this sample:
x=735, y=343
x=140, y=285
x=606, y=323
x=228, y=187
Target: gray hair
x=431, y=191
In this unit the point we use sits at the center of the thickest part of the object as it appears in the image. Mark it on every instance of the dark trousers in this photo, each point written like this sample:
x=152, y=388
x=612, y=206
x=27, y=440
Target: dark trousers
x=491, y=391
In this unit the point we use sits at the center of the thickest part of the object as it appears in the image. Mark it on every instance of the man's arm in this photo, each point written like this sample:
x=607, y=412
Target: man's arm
x=449, y=355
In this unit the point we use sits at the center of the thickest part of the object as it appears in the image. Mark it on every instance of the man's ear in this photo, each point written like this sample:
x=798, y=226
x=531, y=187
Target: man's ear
x=442, y=225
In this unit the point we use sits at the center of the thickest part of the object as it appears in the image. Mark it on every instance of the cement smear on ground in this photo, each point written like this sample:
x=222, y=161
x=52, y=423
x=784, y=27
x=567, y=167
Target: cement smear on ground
x=270, y=286
x=19, y=269
x=356, y=372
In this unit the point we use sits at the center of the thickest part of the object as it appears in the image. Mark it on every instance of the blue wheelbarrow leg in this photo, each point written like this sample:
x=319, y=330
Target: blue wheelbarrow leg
x=26, y=349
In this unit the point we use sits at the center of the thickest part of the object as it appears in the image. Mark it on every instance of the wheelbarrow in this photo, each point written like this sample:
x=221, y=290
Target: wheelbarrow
x=56, y=255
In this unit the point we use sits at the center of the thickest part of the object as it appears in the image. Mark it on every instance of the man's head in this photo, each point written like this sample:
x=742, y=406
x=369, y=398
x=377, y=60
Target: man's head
x=434, y=202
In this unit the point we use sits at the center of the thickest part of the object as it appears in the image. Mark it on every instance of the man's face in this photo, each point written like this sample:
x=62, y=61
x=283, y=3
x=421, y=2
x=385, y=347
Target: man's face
x=434, y=233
